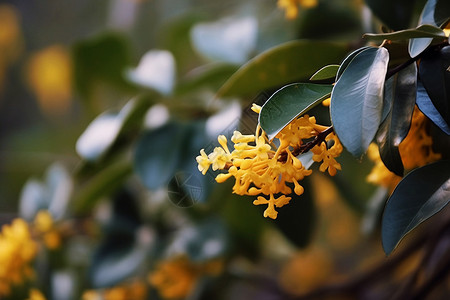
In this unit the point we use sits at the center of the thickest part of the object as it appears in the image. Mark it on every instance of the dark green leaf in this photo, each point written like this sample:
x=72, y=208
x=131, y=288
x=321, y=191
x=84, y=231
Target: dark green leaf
x=425, y=105
x=400, y=95
x=120, y=252
x=102, y=58
x=201, y=242
x=394, y=13
x=287, y=63
x=420, y=195
x=103, y=132
x=435, y=75
x=52, y=194
x=347, y=60
x=288, y=103
x=157, y=155
x=356, y=100
x=435, y=12
x=419, y=32
x=326, y=72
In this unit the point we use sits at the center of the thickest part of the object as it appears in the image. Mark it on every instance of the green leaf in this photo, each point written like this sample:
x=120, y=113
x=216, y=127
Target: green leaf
x=102, y=132
x=326, y=72
x=394, y=13
x=283, y=64
x=100, y=59
x=435, y=12
x=400, y=95
x=435, y=76
x=422, y=31
x=420, y=195
x=202, y=242
x=347, y=60
x=426, y=106
x=356, y=100
x=288, y=103
x=53, y=194
x=157, y=154
x=120, y=252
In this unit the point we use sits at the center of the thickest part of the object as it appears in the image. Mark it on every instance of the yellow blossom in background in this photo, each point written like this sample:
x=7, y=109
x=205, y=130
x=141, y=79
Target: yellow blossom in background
x=415, y=151
x=260, y=167
x=11, y=40
x=49, y=73
x=36, y=295
x=134, y=290
x=43, y=224
x=17, y=250
x=305, y=271
x=291, y=6
x=176, y=278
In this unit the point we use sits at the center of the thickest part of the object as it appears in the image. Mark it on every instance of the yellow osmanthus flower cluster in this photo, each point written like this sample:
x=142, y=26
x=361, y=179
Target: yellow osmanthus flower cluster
x=44, y=225
x=176, y=278
x=415, y=151
x=136, y=290
x=17, y=250
x=291, y=6
x=36, y=295
x=261, y=167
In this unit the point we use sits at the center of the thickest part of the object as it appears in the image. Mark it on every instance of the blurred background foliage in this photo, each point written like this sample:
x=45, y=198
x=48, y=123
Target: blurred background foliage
x=104, y=106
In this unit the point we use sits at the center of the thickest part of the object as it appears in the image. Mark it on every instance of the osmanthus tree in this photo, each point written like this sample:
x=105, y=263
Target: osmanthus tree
x=142, y=215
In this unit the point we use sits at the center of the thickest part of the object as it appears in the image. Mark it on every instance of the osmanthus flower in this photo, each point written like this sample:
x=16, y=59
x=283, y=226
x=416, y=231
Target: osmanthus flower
x=45, y=227
x=134, y=289
x=328, y=155
x=176, y=278
x=17, y=251
x=261, y=167
x=291, y=6
x=36, y=295
x=415, y=151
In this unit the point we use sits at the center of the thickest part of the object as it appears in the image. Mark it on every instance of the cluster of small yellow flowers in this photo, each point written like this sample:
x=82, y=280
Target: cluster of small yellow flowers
x=17, y=250
x=43, y=224
x=36, y=295
x=136, y=290
x=415, y=151
x=291, y=6
x=176, y=278
x=260, y=167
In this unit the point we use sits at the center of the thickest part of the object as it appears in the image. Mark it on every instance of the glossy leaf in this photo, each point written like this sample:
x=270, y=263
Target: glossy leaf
x=120, y=252
x=288, y=103
x=420, y=195
x=435, y=76
x=400, y=95
x=104, y=130
x=290, y=62
x=157, y=155
x=326, y=72
x=356, y=100
x=426, y=106
x=422, y=31
x=394, y=13
x=201, y=242
x=347, y=60
x=435, y=12
x=52, y=194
